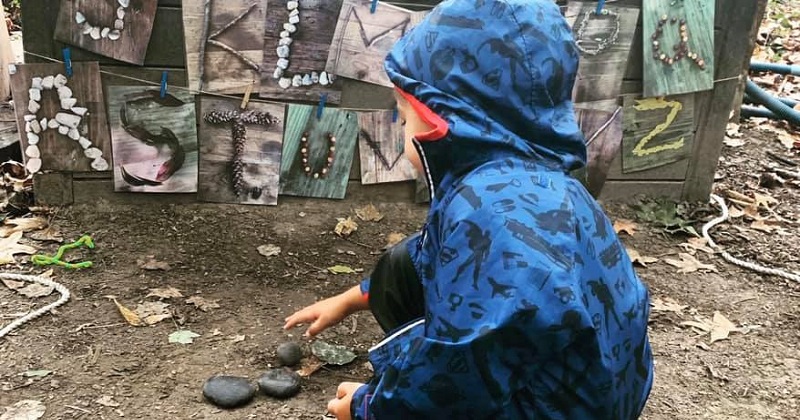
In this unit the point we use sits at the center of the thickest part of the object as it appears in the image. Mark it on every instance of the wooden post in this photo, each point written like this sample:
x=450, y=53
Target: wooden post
x=6, y=57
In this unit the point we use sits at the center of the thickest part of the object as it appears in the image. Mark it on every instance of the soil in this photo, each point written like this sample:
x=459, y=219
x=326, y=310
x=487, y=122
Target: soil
x=102, y=368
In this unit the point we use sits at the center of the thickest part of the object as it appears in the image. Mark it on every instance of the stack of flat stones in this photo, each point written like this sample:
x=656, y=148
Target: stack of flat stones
x=66, y=122
x=98, y=32
x=284, y=50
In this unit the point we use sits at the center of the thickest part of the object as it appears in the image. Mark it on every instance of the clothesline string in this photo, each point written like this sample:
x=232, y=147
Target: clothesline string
x=263, y=101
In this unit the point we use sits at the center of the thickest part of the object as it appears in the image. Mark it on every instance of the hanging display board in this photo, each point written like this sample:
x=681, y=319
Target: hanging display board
x=62, y=120
x=119, y=29
x=604, y=137
x=224, y=43
x=380, y=145
x=240, y=151
x=318, y=152
x=679, y=46
x=154, y=140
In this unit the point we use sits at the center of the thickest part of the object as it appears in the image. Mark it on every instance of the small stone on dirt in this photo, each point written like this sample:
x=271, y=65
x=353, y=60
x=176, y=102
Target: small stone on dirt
x=229, y=391
x=279, y=383
x=290, y=354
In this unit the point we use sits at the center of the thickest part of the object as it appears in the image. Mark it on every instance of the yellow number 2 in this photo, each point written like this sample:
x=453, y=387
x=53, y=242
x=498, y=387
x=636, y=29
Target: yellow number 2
x=651, y=104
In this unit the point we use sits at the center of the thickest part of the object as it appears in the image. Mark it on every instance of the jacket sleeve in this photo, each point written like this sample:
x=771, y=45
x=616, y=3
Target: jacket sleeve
x=486, y=331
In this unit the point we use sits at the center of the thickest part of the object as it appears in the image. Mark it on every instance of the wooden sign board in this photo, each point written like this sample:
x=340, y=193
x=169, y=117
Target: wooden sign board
x=260, y=157
x=302, y=122
x=107, y=27
x=307, y=52
x=229, y=59
x=603, y=133
x=363, y=39
x=60, y=148
x=154, y=140
x=678, y=46
x=657, y=132
x=380, y=145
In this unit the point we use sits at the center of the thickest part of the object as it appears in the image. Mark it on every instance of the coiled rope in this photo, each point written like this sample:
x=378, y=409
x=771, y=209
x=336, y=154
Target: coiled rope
x=41, y=311
x=730, y=258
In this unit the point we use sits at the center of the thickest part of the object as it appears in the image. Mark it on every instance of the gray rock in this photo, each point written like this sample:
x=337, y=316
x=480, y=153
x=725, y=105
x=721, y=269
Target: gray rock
x=290, y=354
x=280, y=383
x=229, y=391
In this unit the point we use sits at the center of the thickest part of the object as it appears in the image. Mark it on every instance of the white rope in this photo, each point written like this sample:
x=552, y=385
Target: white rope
x=41, y=311
x=733, y=260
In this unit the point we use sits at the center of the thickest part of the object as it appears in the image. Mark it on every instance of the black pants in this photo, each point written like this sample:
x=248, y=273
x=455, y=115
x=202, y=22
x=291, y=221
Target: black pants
x=395, y=292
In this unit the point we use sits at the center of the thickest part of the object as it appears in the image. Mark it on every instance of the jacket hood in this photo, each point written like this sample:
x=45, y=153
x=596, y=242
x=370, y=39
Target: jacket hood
x=498, y=76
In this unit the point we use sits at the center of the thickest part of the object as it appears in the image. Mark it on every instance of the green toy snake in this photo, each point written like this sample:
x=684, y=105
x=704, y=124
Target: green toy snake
x=47, y=260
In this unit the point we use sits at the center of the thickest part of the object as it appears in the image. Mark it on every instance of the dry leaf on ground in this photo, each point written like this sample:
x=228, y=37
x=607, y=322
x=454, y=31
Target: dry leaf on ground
x=393, y=239
x=764, y=200
x=27, y=224
x=369, y=213
x=733, y=142
x=24, y=410
x=165, y=293
x=638, y=258
x=341, y=269
x=692, y=245
x=309, y=366
x=10, y=246
x=345, y=227
x=667, y=305
x=763, y=226
x=627, y=226
x=12, y=284
x=151, y=264
x=47, y=235
x=269, y=250
x=721, y=327
x=787, y=140
x=35, y=290
x=183, y=337
x=238, y=338
x=153, y=312
x=202, y=304
x=735, y=212
x=689, y=264
x=107, y=401
x=128, y=314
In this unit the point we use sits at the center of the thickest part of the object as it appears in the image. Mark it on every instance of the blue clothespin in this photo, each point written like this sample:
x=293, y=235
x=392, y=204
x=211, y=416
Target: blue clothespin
x=394, y=115
x=374, y=6
x=164, y=84
x=600, y=5
x=322, y=99
x=67, y=61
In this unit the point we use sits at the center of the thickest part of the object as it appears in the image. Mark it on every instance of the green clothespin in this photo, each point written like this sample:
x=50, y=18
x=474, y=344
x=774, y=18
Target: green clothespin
x=85, y=240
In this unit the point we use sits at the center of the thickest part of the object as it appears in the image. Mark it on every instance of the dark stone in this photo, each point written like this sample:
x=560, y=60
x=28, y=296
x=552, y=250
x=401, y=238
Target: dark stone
x=290, y=354
x=280, y=383
x=229, y=391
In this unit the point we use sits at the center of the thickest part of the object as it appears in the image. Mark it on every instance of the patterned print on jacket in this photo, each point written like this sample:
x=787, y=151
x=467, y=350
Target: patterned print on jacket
x=533, y=309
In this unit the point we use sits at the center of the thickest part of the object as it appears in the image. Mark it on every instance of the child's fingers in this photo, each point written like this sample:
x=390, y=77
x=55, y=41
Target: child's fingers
x=298, y=318
x=315, y=328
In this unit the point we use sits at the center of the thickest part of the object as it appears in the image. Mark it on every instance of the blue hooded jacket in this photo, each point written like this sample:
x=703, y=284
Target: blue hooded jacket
x=532, y=307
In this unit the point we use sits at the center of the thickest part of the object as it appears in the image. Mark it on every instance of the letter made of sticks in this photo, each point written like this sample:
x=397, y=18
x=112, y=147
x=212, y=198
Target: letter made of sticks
x=207, y=38
x=240, y=121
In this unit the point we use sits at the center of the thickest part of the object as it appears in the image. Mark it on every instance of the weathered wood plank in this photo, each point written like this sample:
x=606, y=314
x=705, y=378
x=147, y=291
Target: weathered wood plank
x=118, y=75
x=59, y=152
x=301, y=121
x=630, y=191
x=238, y=25
x=363, y=38
x=308, y=51
x=734, y=49
x=672, y=72
x=380, y=144
x=658, y=131
x=133, y=37
x=53, y=189
x=261, y=155
x=603, y=132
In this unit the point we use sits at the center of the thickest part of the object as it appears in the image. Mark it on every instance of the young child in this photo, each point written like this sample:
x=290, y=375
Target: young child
x=517, y=300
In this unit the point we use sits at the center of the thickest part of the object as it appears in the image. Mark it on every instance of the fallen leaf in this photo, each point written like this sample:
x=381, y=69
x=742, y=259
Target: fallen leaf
x=27, y=224
x=202, y=304
x=37, y=373
x=10, y=246
x=369, y=213
x=153, y=312
x=762, y=226
x=689, y=264
x=693, y=245
x=764, y=200
x=35, y=290
x=183, y=337
x=151, y=264
x=107, y=401
x=215, y=332
x=732, y=130
x=721, y=327
x=269, y=250
x=238, y=338
x=332, y=354
x=341, y=269
x=715, y=374
x=627, y=226
x=700, y=325
x=309, y=366
x=637, y=258
x=787, y=140
x=129, y=315
x=667, y=305
x=13, y=285
x=393, y=239
x=751, y=211
x=345, y=227
x=733, y=142
x=735, y=212
x=24, y=410
x=165, y=293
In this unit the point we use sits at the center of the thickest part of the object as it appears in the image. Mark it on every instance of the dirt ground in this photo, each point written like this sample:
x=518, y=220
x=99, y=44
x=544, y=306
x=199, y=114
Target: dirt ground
x=102, y=368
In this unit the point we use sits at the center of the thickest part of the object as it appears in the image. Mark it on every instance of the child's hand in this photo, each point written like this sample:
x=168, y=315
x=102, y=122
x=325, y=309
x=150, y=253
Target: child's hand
x=340, y=406
x=323, y=314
